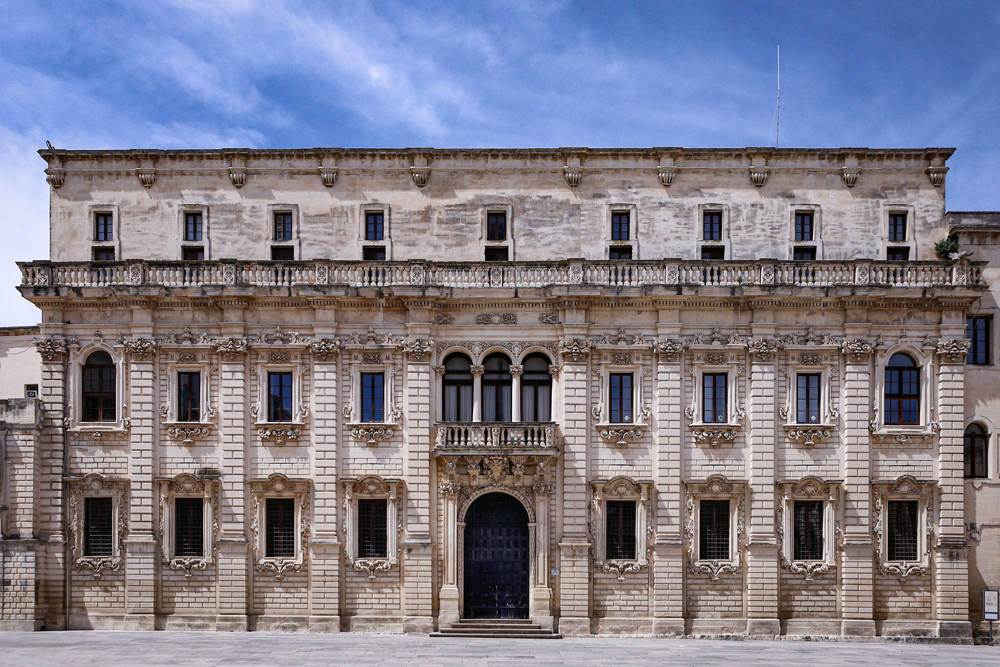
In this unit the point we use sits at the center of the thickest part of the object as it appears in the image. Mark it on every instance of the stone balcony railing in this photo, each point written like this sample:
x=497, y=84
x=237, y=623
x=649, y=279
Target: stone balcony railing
x=495, y=435
x=508, y=275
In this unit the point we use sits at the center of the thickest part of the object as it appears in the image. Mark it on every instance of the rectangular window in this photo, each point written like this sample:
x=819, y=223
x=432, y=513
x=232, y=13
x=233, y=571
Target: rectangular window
x=807, y=526
x=372, y=539
x=714, y=398
x=713, y=252
x=977, y=330
x=374, y=253
x=188, y=396
x=373, y=397
x=807, y=398
x=902, y=530
x=279, y=528
x=104, y=228
x=31, y=391
x=712, y=226
x=282, y=253
x=620, y=252
x=192, y=226
x=496, y=254
x=621, y=398
x=279, y=397
x=194, y=254
x=897, y=228
x=104, y=254
x=804, y=226
x=803, y=254
x=98, y=538
x=496, y=226
x=282, y=226
x=713, y=534
x=374, y=225
x=620, y=226
x=189, y=527
x=620, y=540
x=897, y=254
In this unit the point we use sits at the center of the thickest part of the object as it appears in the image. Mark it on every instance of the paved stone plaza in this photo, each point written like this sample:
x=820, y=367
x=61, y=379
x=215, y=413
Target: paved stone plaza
x=125, y=649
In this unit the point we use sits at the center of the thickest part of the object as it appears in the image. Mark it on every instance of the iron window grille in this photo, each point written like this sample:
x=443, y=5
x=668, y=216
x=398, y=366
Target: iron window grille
x=496, y=226
x=713, y=533
x=902, y=522
x=282, y=226
x=104, y=229
x=189, y=527
x=897, y=228
x=372, y=535
x=975, y=451
x=714, y=408
x=620, y=226
x=804, y=226
x=192, y=226
x=712, y=226
x=977, y=330
x=99, y=388
x=902, y=390
x=373, y=397
x=279, y=538
x=807, y=398
x=189, y=396
x=620, y=535
x=620, y=411
x=279, y=397
x=374, y=225
x=807, y=529
x=98, y=527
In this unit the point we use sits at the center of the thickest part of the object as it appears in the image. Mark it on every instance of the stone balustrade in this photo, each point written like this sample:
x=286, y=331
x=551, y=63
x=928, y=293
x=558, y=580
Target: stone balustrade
x=496, y=435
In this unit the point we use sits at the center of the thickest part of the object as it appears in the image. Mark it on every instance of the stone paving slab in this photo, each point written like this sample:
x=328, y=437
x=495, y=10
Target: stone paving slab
x=192, y=649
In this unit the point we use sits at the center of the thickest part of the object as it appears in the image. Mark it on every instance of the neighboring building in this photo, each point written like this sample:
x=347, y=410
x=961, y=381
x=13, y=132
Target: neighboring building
x=656, y=391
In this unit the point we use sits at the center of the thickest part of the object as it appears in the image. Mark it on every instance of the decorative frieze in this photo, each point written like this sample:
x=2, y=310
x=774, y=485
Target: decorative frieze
x=188, y=434
x=279, y=435
x=372, y=435
x=496, y=318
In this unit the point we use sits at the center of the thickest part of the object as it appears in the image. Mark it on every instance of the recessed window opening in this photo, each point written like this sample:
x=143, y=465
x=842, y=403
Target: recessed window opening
x=713, y=533
x=808, y=530
x=902, y=530
x=373, y=253
x=282, y=253
x=897, y=254
x=497, y=385
x=902, y=390
x=104, y=254
x=620, y=535
x=803, y=253
x=807, y=398
x=188, y=396
x=282, y=226
x=374, y=225
x=496, y=226
x=712, y=226
x=192, y=226
x=804, y=226
x=99, y=388
x=373, y=397
x=713, y=252
x=897, y=228
x=279, y=403
x=499, y=254
x=189, y=527
x=98, y=529
x=372, y=538
x=194, y=254
x=714, y=398
x=279, y=522
x=977, y=330
x=620, y=252
x=620, y=226
x=975, y=451
x=536, y=389
x=104, y=227
x=458, y=385
x=621, y=398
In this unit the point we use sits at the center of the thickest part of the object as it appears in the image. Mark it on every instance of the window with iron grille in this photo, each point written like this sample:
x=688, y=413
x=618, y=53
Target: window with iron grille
x=621, y=398
x=98, y=527
x=496, y=226
x=282, y=226
x=620, y=252
x=902, y=530
x=713, y=530
x=897, y=254
x=279, y=397
x=99, y=393
x=804, y=226
x=372, y=397
x=192, y=226
x=807, y=398
x=104, y=228
x=374, y=225
x=620, y=226
x=801, y=254
x=620, y=536
x=188, y=396
x=975, y=451
x=189, y=527
x=372, y=537
x=104, y=254
x=712, y=226
x=902, y=390
x=807, y=528
x=977, y=330
x=897, y=228
x=279, y=528
x=714, y=398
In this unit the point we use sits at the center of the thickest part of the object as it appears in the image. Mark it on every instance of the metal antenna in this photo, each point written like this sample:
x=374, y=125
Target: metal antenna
x=777, y=124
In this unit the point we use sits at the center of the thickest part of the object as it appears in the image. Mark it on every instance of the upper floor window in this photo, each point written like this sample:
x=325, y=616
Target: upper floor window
x=496, y=226
x=373, y=397
x=497, y=386
x=620, y=530
x=536, y=389
x=713, y=252
x=104, y=254
x=279, y=528
x=193, y=226
x=374, y=225
x=282, y=253
x=975, y=451
x=457, y=384
x=902, y=390
x=620, y=226
x=803, y=254
x=194, y=254
x=104, y=227
x=620, y=252
x=282, y=226
x=807, y=396
x=897, y=254
x=714, y=409
x=897, y=228
x=977, y=330
x=496, y=254
x=807, y=528
x=99, y=388
x=713, y=533
x=98, y=526
x=189, y=396
x=373, y=253
x=902, y=530
x=372, y=522
x=279, y=397
x=189, y=527
x=620, y=411
x=804, y=226
x=712, y=226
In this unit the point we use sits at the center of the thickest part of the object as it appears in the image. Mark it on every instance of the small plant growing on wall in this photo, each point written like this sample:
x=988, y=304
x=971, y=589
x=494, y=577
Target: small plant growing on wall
x=947, y=248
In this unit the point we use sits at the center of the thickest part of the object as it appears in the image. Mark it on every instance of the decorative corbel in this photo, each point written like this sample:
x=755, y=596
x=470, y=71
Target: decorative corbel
x=573, y=172
x=419, y=171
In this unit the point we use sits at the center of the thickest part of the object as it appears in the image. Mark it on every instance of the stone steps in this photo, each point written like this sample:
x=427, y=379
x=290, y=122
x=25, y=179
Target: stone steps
x=504, y=628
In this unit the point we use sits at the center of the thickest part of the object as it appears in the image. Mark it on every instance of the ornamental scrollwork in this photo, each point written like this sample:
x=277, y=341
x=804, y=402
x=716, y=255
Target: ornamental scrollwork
x=372, y=566
x=620, y=437
x=496, y=318
x=419, y=349
x=140, y=349
x=96, y=485
x=576, y=349
x=279, y=435
x=279, y=486
x=188, y=434
x=232, y=349
x=762, y=348
x=808, y=436
x=954, y=350
x=325, y=348
x=713, y=435
x=621, y=567
x=669, y=349
x=371, y=435
x=858, y=349
x=51, y=349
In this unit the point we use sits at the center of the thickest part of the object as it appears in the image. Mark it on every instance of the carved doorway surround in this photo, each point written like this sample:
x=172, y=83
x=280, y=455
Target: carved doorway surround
x=496, y=557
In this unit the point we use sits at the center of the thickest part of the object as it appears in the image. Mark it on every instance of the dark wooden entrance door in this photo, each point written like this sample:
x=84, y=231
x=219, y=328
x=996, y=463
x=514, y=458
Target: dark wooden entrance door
x=496, y=558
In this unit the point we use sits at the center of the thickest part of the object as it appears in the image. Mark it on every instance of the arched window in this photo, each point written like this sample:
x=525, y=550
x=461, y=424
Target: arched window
x=975, y=451
x=902, y=390
x=99, y=396
x=457, y=389
x=497, y=384
x=536, y=389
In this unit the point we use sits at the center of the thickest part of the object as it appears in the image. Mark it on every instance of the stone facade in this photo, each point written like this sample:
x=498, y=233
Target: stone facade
x=675, y=381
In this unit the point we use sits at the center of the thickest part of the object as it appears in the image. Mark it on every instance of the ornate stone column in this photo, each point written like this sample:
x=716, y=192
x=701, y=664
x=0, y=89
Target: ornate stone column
x=515, y=391
x=450, y=611
x=477, y=393
x=540, y=606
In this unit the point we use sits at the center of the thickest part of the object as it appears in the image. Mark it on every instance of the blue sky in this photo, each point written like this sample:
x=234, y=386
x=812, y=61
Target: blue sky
x=288, y=73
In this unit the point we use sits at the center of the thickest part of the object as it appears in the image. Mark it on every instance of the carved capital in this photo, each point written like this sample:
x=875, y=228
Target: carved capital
x=576, y=349
x=954, y=350
x=232, y=349
x=139, y=349
x=51, y=349
x=858, y=349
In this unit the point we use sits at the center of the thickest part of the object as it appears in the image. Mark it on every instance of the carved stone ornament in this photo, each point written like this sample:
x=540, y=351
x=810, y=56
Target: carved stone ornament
x=576, y=349
x=55, y=177
x=620, y=436
x=496, y=318
x=758, y=176
x=232, y=349
x=188, y=434
x=325, y=348
x=328, y=176
x=858, y=349
x=955, y=351
x=621, y=567
x=573, y=176
x=237, y=176
x=419, y=349
x=278, y=358
x=715, y=487
x=762, y=348
x=809, y=359
x=279, y=435
x=808, y=436
x=372, y=435
x=371, y=566
x=669, y=349
x=850, y=175
x=443, y=318
x=713, y=435
x=937, y=174
x=420, y=176
x=621, y=358
x=188, y=486
x=811, y=569
x=549, y=317
x=147, y=177
x=666, y=176
x=51, y=349
x=95, y=485
x=279, y=486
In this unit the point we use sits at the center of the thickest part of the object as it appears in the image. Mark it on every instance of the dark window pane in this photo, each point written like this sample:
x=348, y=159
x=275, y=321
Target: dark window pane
x=189, y=527
x=457, y=385
x=373, y=253
x=282, y=253
x=714, y=398
x=279, y=397
x=496, y=254
x=621, y=398
x=188, y=396
x=620, y=538
x=804, y=226
x=902, y=530
x=803, y=254
x=99, y=388
x=497, y=389
x=898, y=254
x=620, y=252
x=620, y=226
x=104, y=254
x=977, y=330
x=192, y=226
x=496, y=226
x=713, y=252
x=808, y=527
x=372, y=540
x=194, y=254
x=713, y=536
x=372, y=397
x=282, y=226
x=536, y=389
x=975, y=451
x=897, y=228
x=374, y=225
x=98, y=526
x=807, y=398
x=103, y=228
x=279, y=530
x=902, y=391
x=712, y=226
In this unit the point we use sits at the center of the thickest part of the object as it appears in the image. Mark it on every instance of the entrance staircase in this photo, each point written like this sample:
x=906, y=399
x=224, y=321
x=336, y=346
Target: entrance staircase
x=500, y=628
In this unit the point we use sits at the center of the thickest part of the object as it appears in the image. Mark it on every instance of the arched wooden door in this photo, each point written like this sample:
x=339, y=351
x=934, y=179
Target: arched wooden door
x=496, y=558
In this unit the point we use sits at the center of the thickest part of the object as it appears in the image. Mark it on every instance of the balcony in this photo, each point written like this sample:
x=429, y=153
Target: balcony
x=496, y=437
x=326, y=275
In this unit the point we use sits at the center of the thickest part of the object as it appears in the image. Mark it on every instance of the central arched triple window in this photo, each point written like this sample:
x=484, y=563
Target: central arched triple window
x=536, y=389
x=99, y=389
x=457, y=388
x=902, y=390
x=497, y=387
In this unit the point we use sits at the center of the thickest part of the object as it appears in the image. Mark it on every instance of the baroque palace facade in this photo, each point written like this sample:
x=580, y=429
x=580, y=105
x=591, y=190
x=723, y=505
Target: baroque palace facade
x=633, y=391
